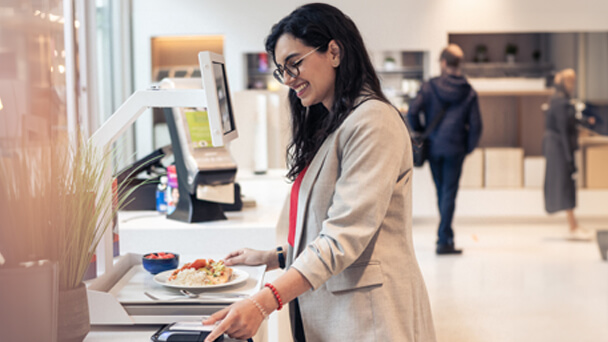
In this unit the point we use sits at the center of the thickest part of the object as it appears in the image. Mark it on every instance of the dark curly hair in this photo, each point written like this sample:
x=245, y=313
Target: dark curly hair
x=316, y=25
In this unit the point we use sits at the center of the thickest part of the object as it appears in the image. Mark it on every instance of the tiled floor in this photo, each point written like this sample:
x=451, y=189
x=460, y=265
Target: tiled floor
x=516, y=281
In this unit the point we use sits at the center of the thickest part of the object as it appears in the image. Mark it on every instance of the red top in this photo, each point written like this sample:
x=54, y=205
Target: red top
x=293, y=207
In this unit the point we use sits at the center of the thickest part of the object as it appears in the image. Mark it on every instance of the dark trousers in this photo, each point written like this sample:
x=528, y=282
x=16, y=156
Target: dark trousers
x=446, y=172
x=297, y=329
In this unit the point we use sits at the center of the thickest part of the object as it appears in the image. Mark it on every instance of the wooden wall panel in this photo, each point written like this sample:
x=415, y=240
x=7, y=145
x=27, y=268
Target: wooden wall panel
x=532, y=124
x=500, y=121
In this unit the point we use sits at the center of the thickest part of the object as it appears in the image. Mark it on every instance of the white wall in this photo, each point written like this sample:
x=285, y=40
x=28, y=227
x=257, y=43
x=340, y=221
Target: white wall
x=385, y=25
x=394, y=25
x=596, y=64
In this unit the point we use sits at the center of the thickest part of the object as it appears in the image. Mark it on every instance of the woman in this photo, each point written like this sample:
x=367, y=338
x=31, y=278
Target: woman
x=559, y=143
x=350, y=257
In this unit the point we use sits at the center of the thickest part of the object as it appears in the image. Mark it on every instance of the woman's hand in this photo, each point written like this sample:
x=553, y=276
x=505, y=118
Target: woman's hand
x=240, y=320
x=250, y=257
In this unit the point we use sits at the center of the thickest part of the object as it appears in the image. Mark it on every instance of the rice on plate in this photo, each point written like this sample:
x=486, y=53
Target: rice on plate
x=201, y=273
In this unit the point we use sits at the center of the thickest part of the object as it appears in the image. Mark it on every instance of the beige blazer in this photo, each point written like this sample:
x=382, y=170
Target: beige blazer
x=354, y=235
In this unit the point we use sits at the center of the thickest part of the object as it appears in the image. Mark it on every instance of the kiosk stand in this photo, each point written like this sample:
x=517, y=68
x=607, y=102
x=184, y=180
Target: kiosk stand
x=189, y=208
x=199, y=167
x=205, y=168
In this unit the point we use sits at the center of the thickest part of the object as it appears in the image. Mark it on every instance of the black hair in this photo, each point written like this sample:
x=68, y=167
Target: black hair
x=316, y=25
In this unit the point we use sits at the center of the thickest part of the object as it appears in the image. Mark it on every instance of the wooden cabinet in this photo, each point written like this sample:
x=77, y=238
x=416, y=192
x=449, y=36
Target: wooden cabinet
x=401, y=74
x=593, y=162
x=513, y=119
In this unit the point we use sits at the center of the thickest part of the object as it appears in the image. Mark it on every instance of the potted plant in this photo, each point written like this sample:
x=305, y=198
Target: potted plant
x=536, y=55
x=481, y=53
x=390, y=63
x=510, y=52
x=56, y=204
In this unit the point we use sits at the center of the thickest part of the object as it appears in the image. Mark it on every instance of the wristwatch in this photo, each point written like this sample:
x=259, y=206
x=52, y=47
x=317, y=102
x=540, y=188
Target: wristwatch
x=281, y=256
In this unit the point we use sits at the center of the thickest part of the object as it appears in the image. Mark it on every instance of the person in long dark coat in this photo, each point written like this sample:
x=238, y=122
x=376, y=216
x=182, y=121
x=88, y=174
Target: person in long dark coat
x=559, y=143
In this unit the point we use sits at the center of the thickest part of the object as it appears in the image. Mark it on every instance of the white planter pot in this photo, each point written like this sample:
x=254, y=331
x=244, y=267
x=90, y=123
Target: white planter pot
x=29, y=298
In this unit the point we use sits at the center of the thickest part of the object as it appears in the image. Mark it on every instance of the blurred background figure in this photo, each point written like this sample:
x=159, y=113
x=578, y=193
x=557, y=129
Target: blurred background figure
x=452, y=139
x=559, y=143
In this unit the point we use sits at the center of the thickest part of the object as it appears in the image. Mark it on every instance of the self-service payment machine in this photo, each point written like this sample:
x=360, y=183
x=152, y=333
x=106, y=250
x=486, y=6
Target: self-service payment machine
x=199, y=137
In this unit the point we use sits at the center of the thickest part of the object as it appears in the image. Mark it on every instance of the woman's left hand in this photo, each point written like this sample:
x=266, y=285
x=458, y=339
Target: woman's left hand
x=240, y=320
x=250, y=257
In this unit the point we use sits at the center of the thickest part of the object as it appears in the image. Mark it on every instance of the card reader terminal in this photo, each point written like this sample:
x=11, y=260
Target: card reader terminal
x=184, y=332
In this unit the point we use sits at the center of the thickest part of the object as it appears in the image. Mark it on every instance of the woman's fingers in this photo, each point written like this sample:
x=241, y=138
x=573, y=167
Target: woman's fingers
x=241, y=321
x=217, y=331
x=250, y=257
x=230, y=325
x=235, y=258
x=219, y=315
x=234, y=254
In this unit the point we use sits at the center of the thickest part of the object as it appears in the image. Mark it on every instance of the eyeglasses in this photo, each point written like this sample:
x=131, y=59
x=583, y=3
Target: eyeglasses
x=292, y=68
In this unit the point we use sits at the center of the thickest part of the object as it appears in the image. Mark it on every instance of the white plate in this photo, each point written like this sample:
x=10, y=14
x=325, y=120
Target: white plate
x=238, y=277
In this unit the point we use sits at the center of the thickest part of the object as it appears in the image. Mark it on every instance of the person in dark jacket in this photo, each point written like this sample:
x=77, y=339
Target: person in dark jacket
x=559, y=143
x=452, y=139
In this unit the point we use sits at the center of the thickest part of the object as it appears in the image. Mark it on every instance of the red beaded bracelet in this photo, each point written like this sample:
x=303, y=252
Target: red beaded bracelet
x=276, y=295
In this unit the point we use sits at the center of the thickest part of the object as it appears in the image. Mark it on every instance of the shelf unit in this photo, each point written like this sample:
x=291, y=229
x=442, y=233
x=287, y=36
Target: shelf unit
x=412, y=71
x=505, y=54
x=400, y=80
x=499, y=69
x=177, y=57
x=259, y=71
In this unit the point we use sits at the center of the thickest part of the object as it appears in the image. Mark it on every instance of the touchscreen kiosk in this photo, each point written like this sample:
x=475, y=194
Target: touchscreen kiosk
x=199, y=136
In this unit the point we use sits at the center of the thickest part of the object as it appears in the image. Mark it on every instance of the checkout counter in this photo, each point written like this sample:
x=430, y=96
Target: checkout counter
x=131, y=334
x=201, y=122
x=253, y=226
x=123, y=313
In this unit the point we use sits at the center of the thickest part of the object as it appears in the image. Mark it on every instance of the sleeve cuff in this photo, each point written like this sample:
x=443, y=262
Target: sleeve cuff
x=312, y=268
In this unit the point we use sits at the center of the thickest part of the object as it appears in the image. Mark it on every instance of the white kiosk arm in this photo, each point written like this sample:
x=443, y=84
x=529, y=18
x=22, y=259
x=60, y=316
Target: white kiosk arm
x=137, y=103
x=122, y=119
x=215, y=96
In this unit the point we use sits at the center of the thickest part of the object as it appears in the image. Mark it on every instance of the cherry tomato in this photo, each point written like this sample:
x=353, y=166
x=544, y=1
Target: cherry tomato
x=198, y=263
x=160, y=255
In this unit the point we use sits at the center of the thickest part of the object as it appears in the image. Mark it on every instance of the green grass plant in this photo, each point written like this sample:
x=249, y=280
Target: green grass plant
x=56, y=202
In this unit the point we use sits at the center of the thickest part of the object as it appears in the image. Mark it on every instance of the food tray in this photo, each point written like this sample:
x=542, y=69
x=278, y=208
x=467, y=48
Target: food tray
x=118, y=297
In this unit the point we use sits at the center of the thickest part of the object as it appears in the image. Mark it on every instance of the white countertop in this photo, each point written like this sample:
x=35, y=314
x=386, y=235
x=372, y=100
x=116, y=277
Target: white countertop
x=492, y=84
x=255, y=227
x=144, y=231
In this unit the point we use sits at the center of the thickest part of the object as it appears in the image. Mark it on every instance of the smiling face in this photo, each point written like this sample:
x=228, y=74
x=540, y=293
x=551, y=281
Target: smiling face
x=315, y=83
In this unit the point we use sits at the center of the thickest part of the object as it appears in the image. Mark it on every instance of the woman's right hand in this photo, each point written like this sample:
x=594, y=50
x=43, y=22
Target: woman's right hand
x=240, y=320
x=250, y=257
